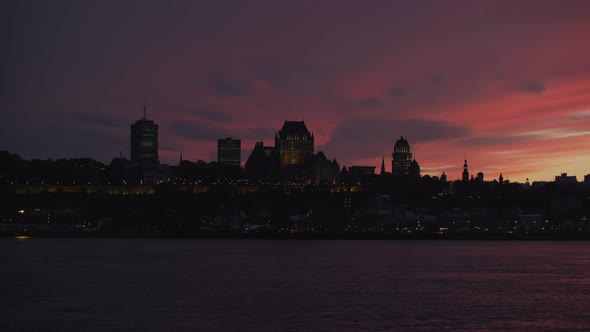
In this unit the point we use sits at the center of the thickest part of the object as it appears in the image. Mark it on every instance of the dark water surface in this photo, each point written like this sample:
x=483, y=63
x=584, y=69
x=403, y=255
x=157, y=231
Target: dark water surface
x=205, y=285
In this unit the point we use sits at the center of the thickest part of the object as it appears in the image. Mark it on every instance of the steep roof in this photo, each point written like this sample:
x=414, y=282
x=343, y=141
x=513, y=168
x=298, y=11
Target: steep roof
x=291, y=128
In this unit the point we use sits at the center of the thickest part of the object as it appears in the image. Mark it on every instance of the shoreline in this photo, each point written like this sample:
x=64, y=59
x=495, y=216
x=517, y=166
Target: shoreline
x=304, y=236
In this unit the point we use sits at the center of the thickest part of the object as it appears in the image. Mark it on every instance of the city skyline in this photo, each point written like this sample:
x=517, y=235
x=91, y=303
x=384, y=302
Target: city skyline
x=300, y=147
x=504, y=85
x=300, y=165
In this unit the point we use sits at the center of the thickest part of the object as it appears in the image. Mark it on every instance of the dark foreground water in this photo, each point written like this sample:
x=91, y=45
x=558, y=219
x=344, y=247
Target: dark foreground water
x=205, y=285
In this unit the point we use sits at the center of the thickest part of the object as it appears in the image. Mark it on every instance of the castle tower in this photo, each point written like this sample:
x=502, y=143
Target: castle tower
x=294, y=143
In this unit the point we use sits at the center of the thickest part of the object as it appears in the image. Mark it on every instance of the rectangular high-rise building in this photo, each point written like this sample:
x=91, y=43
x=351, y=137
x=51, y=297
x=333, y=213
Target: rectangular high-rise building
x=144, y=142
x=229, y=152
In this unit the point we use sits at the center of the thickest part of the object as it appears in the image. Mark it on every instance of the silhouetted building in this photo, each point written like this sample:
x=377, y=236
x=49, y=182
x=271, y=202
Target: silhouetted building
x=401, y=157
x=324, y=170
x=443, y=177
x=144, y=142
x=10, y=165
x=587, y=178
x=263, y=163
x=359, y=175
x=382, y=165
x=229, y=152
x=122, y=171
x=564, y=178
x=480, y=177
x=294, y=144
x=414, y=170
x=465, y=176
x=362, y=170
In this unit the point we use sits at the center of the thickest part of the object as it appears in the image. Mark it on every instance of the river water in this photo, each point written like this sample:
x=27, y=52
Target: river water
x=269, y=285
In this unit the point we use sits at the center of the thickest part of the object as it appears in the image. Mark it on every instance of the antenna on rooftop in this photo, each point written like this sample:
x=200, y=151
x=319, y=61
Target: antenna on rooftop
x=144, y=117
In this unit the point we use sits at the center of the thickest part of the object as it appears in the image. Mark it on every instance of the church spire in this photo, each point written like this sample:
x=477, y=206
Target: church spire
x=465, y=172
x=382, y=165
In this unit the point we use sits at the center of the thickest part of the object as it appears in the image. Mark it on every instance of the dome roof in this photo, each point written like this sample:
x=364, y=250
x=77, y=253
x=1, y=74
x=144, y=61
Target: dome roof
x=402, y=142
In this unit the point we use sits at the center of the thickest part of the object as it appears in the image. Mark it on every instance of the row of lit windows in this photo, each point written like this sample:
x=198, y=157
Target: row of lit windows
x=404, y=149
x=297, y=138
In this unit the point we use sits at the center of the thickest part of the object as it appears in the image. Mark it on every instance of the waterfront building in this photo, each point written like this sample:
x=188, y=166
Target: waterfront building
x=229, y=152
x=480, y=176
x=324, y=170
x=263, y=163
x=144, y=142
x=564, y=178
x=359, y=175
x=465, y=176
x=401, y=157
x=294, y=143
x=414, y=171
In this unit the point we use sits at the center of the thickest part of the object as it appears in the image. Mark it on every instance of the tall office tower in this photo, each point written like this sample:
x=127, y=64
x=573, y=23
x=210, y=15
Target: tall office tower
x=401, y=157
x=294, y=143
x=229, y=152
x=144, y=142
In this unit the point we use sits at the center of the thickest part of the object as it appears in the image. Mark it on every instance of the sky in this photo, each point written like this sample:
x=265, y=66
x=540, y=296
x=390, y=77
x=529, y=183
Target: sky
x=505, y=84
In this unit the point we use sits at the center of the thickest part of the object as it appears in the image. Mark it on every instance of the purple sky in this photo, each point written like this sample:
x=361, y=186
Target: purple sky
x=504, y=83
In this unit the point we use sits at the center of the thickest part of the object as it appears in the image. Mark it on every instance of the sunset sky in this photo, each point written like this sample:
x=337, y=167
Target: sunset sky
x=505, y=84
